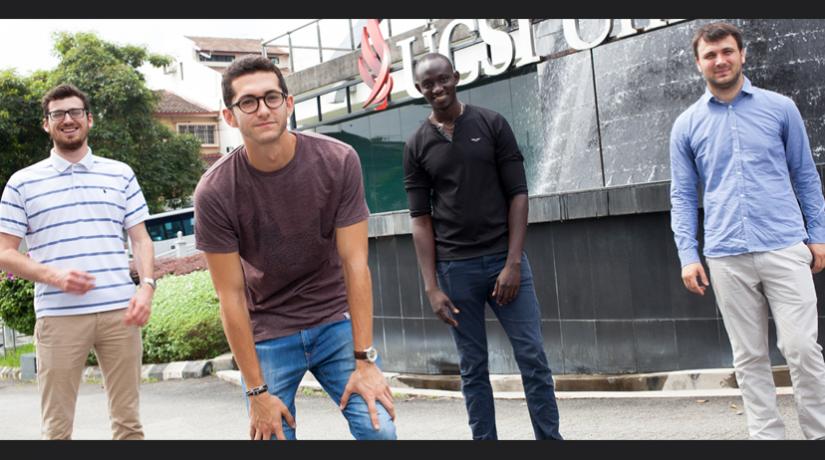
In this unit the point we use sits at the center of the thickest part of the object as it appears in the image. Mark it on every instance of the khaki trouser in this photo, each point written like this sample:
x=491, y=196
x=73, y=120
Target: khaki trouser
x=62, y=345
x=746, y=286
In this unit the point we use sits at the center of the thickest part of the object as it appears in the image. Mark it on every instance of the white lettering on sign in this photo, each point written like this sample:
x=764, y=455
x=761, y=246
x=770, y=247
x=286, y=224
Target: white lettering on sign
x=506, y=50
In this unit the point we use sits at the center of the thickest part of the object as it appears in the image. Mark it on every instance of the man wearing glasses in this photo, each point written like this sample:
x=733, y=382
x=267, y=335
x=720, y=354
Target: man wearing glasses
x=283, y=223
x=72, y=208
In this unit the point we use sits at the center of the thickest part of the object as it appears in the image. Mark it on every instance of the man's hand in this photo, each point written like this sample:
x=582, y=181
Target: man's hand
x=692, y=275
x=265, y=413
x=73, y=281
x=442, y=306
x=818, y=251
x=140, y=306
x=507, y=284
x=368, y=381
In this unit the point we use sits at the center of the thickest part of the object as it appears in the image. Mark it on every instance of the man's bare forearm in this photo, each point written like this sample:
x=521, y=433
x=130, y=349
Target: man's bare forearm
x=12, y=261
x=516, y=228
x=424, y=242
x=359, y=296
x=238, y=330
x=143, y=252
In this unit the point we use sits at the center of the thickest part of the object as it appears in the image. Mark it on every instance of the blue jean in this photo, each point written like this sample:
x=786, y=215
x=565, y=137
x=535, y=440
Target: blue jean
x=327, y=352
x=469, y=284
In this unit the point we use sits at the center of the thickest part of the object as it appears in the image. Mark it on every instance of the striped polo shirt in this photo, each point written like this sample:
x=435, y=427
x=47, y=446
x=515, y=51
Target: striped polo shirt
x=72, y=216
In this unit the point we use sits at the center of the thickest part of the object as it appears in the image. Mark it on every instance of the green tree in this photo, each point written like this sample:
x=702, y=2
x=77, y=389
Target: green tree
x=167, y=165
x=22, y=139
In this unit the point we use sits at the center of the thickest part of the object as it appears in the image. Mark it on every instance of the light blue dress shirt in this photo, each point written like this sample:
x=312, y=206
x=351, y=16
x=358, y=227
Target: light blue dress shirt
x=753, y=160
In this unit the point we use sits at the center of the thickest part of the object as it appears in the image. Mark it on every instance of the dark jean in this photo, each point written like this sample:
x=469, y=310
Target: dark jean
x=469, y=284
x=326, y=351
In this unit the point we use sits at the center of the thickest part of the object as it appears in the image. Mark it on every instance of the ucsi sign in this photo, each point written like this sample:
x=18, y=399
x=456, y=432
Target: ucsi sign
x=509, y=51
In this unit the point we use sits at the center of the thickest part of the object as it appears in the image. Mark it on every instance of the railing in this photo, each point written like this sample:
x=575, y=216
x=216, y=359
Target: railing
x=345, y=104
x=320, y=40
x=8, y=335
x=180, y=248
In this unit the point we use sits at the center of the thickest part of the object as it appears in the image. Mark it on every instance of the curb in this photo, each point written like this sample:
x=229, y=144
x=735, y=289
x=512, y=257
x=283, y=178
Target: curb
x=700, y=382
x=711, y=382
x=687, y=380
x=176, y=370
x=10, y=373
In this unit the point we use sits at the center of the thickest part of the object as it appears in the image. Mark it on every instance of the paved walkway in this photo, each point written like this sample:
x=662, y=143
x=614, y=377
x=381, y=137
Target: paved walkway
x=210, y=408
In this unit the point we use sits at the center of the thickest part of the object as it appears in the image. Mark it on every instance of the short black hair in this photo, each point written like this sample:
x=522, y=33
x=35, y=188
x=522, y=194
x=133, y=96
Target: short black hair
x=246, y=65
x=431, y=57
x=63, y=91
x=714, y=32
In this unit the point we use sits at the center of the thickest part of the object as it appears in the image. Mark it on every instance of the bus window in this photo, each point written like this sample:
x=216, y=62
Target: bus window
x=172, y=228
x=165, y=226
x=155, y=232
x=189, y=226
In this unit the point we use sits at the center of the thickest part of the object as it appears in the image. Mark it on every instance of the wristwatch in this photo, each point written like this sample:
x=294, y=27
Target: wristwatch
x=150, y=282
x=370, y=354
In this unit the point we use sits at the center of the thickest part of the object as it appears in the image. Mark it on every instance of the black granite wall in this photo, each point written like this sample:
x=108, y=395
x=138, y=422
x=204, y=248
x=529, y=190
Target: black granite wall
x=605, y=266
x=611, y=297
x=608, y=111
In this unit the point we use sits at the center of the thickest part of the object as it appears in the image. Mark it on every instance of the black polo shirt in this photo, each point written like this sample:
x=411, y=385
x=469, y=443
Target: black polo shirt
x=467, y=183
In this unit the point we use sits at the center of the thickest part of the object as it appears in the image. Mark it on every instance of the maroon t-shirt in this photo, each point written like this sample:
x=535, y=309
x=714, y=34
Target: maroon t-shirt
x=282, y=224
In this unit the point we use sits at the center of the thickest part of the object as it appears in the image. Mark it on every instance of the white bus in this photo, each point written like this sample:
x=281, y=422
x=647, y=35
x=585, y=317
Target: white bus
x=163, y=228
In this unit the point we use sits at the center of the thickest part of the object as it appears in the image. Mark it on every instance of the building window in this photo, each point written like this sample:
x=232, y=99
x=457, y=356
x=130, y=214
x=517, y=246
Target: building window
x=204, y=132
x=275, y=60
x=215, y=57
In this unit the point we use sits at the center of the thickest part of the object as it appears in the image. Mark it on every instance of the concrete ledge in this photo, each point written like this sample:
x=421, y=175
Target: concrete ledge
x=699, y=379
x=720, y=382
x=582, y=204
x=223, y=362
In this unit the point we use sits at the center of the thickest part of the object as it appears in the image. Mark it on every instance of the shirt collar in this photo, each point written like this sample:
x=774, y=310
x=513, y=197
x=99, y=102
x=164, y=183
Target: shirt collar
x=747, y=88
x=61, y=164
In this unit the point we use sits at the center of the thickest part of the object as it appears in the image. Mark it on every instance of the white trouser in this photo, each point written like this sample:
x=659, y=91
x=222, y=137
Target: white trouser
x=745, y=286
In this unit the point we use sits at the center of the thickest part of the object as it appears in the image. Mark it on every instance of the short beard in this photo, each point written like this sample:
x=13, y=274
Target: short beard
x=723, y=86
x=70, y=146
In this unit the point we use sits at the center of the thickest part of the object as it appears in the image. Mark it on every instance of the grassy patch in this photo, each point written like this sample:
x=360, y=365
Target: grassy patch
x=12, y=358
x=306, y=391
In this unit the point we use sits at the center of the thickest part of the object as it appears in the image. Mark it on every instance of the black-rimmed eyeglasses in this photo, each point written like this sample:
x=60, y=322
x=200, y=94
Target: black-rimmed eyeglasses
x=58, y=115
x=250, y=104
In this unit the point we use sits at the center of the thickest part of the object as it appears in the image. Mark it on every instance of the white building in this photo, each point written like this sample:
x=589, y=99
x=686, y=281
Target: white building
x=196, y=71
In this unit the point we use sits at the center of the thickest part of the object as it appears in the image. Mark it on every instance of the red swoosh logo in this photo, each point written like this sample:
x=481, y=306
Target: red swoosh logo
x=374, y=65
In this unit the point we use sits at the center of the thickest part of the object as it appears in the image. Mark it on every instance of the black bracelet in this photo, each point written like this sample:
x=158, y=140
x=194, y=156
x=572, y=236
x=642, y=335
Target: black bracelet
x=257, y=390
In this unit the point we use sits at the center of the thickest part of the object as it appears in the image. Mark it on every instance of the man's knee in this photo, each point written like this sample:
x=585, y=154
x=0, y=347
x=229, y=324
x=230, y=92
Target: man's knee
x=800, y=350
x=386, y=432
x=360, y=421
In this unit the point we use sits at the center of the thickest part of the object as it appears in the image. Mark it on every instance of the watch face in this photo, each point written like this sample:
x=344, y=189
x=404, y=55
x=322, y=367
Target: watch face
x=372, y=354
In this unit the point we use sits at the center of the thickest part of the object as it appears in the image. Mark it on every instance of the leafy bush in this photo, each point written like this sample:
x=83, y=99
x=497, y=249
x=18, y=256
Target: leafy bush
x=17, y=303
x=185, y=323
